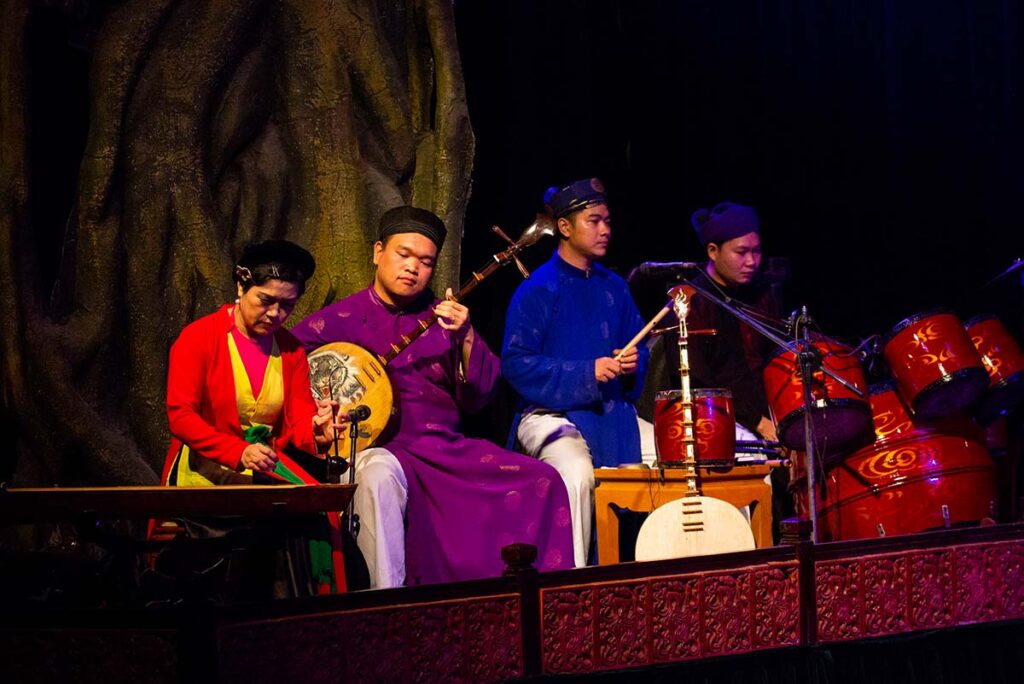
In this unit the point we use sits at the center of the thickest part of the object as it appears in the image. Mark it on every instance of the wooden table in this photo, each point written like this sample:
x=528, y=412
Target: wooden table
x=640, y=489
x=49, y=504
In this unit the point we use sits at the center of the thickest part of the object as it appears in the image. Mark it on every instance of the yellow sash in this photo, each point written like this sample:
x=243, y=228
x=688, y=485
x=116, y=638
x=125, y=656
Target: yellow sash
x=193, y=470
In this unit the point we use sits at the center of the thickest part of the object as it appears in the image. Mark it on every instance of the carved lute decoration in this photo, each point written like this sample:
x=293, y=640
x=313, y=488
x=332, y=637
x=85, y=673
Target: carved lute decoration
x=352, y=375
x=694, y=525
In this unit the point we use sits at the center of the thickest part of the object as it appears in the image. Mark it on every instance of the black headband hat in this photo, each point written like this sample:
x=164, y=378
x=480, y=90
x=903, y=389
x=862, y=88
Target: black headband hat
x=577, y=195
x=408, y=219
x=280, y=259
x=724, y=221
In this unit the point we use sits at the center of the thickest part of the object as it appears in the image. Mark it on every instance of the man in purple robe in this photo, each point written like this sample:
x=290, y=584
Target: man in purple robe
x=434, y=505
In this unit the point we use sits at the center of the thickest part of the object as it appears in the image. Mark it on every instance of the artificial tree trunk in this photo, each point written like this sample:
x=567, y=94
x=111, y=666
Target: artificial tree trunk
x=212, y=123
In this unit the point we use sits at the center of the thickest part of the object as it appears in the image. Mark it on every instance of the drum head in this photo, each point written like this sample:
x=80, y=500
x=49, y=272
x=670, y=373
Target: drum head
x=950, y=393
x=838, y=426
x=1001, y=398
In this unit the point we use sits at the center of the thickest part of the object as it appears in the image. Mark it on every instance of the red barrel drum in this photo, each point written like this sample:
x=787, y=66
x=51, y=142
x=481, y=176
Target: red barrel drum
x=1003, y=359
x=899, y=484
x=938, y=369
x=841, y=417
x=714, y=427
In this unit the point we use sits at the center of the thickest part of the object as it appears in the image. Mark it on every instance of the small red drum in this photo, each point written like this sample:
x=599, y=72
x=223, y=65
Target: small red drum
x=1003, y=359
x=938, y=369
x=899, y=484
x=714, y=427
x=840, y=416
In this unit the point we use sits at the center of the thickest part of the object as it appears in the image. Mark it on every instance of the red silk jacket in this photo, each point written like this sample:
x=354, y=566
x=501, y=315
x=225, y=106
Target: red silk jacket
x=201, y=407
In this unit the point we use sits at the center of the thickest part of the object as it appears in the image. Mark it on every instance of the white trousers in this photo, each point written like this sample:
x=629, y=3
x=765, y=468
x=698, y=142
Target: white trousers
x=380, y=502
x=552, y=438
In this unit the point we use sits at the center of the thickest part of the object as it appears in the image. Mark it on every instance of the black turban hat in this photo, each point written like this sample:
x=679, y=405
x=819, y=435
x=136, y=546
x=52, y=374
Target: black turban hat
x=408, y=219
x=278, y=259
x=724, y=222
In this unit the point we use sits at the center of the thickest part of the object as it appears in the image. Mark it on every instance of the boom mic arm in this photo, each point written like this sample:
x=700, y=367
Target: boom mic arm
x=651, y=269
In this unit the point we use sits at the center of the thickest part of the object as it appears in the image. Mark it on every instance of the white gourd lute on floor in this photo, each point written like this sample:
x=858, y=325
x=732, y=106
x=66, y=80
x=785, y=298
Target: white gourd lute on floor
x=694, y=525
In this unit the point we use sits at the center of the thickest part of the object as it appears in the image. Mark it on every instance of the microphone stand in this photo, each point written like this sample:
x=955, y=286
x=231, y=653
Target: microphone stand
x=353, y=435
x=810, y=361
x=334, y=466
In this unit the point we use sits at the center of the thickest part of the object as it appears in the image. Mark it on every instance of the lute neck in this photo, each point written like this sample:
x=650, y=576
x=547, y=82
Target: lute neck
x=475, y=279
x=686, y=397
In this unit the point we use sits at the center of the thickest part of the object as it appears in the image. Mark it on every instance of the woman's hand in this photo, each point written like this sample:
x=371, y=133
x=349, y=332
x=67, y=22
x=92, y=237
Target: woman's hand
x=324, y=423
x=259, y=457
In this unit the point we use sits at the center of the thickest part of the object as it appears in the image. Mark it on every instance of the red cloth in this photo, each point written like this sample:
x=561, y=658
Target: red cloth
x=202, y=410
x=201, y=407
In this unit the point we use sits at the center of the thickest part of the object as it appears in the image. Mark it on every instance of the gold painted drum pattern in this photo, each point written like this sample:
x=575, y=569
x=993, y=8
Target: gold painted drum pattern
x=938, y=369
x=841, y=417
x=714, y=427
x=908, y=480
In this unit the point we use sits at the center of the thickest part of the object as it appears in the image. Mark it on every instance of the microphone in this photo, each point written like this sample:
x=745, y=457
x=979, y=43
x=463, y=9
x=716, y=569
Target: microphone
x=361, y=412
x=650, y=269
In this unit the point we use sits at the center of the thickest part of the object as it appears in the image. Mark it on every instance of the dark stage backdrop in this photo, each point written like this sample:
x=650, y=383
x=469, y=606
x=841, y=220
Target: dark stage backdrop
x=880, y=141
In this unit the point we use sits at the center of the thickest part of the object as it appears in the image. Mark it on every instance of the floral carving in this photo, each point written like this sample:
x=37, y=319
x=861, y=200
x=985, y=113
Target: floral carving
x=885, y=595
x=567, y=639
x=776, y=603
x=622, y=637
x=727, y=613
x=675, y=619
x=837, y=585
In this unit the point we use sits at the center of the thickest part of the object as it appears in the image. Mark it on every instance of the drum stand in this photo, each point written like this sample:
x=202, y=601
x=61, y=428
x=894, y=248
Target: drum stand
x=810, y=361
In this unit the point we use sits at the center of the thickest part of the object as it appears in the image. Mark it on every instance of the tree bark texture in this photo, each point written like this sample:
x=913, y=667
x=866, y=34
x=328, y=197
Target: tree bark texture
x=212, y=123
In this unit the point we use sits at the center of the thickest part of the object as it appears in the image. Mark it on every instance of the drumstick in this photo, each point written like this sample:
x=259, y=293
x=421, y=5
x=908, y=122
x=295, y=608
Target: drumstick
x=673, y=293
x=644, y=330
x=771, y=462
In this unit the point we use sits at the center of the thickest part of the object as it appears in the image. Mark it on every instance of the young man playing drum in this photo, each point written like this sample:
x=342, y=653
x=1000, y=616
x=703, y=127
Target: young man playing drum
x=434, y=505
x=734, y=357
x=564, y=329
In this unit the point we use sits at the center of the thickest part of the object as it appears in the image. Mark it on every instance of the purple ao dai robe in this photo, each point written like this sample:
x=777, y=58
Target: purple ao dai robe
x=467, y=497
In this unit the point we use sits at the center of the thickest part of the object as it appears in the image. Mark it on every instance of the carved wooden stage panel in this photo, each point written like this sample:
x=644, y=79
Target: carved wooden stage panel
x=465, y=640
x=602, y=626
x=915, y=589
x=592, y=620
x=89, y=655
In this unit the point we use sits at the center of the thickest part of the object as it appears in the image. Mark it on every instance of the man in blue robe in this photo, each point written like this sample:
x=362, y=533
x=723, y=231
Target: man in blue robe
x=565, y=327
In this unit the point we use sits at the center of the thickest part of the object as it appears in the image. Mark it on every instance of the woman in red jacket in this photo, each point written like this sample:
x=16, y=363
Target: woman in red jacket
x=238, y=392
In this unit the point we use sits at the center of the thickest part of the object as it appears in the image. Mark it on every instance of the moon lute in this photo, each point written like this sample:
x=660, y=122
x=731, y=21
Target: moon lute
x=694, y=525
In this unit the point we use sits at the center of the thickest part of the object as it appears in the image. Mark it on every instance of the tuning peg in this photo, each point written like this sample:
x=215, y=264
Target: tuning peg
x=522, y=269
x=504, y=237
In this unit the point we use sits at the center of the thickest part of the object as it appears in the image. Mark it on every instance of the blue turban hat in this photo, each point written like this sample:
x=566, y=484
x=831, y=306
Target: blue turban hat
x=575, y=196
